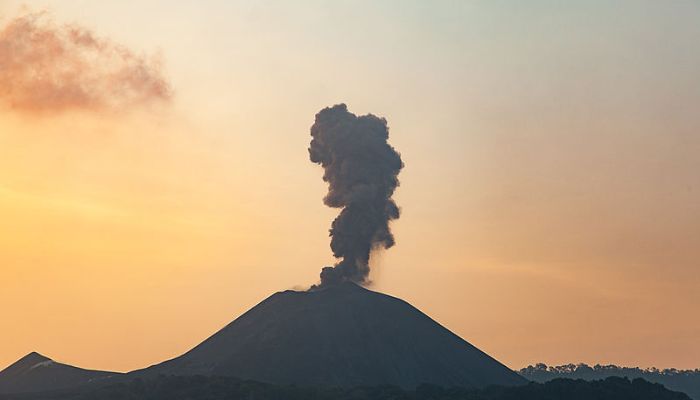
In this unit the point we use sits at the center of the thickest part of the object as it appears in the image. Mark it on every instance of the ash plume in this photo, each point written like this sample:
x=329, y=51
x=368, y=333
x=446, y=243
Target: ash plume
x=361, y=169
x=47, y=67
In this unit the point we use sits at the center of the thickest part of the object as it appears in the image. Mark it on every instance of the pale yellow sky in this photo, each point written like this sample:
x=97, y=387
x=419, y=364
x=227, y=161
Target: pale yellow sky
x=551, y=206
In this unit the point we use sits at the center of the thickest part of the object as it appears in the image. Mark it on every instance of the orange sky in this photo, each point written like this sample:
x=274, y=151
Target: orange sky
x=551, y=206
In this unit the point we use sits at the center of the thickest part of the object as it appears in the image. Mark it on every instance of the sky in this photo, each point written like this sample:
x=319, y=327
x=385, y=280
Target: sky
x=550, y=197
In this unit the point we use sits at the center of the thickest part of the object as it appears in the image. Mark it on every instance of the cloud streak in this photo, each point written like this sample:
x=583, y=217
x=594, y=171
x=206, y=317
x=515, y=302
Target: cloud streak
x=47, y=67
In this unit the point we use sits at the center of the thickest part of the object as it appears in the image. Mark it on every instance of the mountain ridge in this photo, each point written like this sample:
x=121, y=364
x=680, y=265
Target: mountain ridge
x=36, y=372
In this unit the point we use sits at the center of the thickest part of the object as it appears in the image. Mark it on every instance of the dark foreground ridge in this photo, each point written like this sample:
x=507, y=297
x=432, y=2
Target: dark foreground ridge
x=686, y=381
x=35, y=373
x=341, y=335
x=224, y=388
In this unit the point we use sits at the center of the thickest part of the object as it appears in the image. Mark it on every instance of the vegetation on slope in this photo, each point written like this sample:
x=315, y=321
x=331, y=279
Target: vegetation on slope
x=686, y=381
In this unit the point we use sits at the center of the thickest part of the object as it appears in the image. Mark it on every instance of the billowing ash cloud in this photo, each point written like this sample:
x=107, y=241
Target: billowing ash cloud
x=361, y=169
x=50, y=67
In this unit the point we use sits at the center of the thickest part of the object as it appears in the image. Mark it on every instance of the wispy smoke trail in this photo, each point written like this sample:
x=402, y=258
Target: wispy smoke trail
x=49, y=67
x=361, y=169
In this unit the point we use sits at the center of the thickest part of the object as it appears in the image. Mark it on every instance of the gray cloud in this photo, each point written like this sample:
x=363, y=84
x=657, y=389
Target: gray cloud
x=361, y=169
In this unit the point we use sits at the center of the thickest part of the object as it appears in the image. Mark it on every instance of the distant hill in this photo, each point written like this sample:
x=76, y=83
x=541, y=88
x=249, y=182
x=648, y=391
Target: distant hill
x=341, y=335
x=36, y=373
x=686, y=381
x=227, y=388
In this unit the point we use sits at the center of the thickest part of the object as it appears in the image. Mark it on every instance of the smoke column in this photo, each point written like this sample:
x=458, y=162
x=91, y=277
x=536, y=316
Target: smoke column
x=361, y=169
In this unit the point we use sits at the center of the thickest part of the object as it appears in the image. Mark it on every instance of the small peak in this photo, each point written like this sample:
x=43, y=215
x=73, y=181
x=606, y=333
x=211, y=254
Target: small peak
x=33, y=357
x=27, y=362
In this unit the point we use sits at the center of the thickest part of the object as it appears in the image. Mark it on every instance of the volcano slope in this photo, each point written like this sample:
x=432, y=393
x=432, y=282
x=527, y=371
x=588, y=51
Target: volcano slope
x=343, y=335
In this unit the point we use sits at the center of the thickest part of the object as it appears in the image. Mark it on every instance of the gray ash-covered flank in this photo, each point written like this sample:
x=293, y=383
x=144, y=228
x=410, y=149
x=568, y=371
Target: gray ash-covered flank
x=36, y=373
x=339, y=335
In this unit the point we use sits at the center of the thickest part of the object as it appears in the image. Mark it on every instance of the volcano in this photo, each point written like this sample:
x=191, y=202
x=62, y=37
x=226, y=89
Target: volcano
x=342, y=335
x=35, y=373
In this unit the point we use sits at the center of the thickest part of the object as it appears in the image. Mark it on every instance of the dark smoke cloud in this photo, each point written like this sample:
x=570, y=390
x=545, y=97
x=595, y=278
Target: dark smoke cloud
x=361, y=169
x=50, y=67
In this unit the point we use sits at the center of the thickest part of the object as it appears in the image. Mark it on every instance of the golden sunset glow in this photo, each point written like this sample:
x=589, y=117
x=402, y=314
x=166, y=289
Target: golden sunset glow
x=550, y=197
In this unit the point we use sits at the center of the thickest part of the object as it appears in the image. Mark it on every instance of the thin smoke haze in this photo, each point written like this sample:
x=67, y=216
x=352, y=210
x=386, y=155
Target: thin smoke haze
x=361, y=169
x=50, y=67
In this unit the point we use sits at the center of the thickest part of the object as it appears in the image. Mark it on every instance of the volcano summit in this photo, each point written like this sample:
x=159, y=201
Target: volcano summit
x=339, y=335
